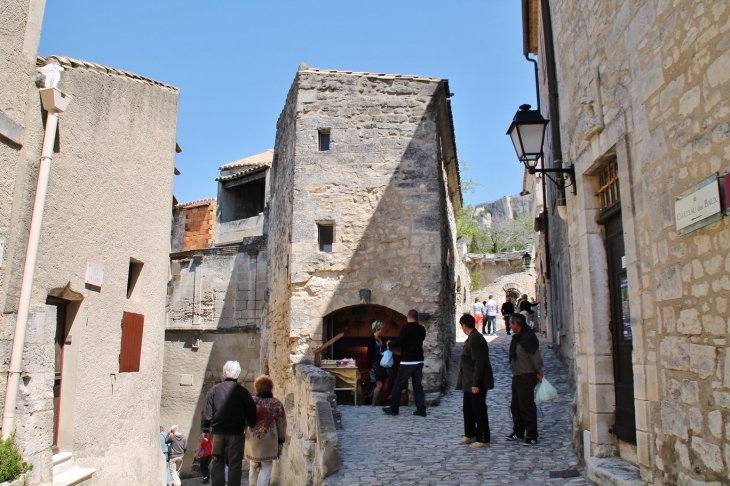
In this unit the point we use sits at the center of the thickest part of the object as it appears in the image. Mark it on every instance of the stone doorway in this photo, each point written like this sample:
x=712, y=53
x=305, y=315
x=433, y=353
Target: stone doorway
x=355, y=322
x=620, y=326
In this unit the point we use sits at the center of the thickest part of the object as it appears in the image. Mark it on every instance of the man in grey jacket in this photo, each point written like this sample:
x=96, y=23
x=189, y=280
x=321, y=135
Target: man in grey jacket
x=526, y=365
x=178, y=444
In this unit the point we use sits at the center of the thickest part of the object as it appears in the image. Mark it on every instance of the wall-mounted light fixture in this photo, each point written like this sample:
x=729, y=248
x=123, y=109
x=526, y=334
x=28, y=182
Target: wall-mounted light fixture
x=527, y=133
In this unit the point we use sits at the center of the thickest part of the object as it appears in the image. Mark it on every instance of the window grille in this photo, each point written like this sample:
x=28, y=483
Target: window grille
x=608, y=178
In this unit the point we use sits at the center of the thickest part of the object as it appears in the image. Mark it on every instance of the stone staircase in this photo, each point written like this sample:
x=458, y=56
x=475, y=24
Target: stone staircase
x=67, y=473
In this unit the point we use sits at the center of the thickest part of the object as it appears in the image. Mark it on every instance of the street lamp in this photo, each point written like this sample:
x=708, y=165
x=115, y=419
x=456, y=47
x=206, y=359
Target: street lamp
x=526, y=260
x=527, y=133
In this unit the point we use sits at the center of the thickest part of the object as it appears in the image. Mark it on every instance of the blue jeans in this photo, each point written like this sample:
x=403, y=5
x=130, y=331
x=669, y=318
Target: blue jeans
x=491, y=324
x=415, y=373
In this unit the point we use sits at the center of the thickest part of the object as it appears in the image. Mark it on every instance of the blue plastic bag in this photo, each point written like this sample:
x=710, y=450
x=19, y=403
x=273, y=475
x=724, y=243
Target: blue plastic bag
x=387, y=359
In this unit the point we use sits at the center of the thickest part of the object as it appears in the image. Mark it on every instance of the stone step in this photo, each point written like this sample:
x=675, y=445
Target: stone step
x=75, y=475
x=62, y=462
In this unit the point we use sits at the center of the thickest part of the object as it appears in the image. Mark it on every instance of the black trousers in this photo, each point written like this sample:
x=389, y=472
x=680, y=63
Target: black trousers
x=233, y=446
x=415, y=373
x=476, y=420
x=523, y=408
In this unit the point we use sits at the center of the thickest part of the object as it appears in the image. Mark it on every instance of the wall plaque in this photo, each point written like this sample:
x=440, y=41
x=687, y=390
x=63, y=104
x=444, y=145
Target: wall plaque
x=94, y=274
x=698, y=206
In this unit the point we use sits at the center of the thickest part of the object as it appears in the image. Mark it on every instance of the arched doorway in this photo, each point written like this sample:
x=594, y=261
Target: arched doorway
x=512, y=293
x=355, y=323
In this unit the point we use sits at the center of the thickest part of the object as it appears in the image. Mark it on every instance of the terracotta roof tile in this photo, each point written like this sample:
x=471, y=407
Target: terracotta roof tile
x=246, y=172
x=258, y=160
x=195, y=204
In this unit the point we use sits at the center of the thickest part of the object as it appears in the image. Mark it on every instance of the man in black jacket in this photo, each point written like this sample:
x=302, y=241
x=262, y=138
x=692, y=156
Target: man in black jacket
x=508, y=308
x=410, y=341
x=228, y=406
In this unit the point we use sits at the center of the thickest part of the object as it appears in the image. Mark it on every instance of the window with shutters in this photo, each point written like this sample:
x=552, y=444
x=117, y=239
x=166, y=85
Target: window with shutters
x=131, y=352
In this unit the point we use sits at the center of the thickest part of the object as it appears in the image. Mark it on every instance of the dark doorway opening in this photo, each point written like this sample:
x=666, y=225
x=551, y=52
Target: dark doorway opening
x=618, y=284
x=356, y=324
x=59, y=342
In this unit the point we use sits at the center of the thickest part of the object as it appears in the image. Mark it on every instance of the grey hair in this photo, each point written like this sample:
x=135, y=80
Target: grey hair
x=377, y=326
x=174, y=428
x=232, y=369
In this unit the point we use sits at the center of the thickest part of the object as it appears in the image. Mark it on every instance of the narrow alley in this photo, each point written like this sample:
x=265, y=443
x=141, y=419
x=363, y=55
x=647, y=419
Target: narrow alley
x=380, y=450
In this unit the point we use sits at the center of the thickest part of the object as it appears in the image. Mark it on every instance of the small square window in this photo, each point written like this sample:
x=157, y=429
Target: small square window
x=326, y=237
x=324, y=140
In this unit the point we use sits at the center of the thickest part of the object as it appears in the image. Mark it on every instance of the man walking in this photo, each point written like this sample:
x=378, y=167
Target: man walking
x=476, y=379
x=178, y=444
x=508, y=308
x=228, y=406
x=490, y=309
x=410, y=341
x=525, y=362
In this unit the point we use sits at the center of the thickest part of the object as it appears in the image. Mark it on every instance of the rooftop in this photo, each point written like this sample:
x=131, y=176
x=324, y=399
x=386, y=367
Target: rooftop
x=195, y=204
x=71, y=63
x=304, y=68
x=258, y=160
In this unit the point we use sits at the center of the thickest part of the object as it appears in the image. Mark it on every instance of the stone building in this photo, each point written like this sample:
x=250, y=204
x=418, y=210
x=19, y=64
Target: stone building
x=92, y=358
x=501, y=275
x=216, y=292
x=364, y=187
x=643, y=114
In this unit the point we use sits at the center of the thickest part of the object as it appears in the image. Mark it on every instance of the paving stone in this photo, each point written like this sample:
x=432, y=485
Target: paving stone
x=378, y=449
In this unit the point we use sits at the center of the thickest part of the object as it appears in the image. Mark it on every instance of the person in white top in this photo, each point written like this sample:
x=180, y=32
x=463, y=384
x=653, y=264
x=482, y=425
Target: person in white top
x=478, y=308
x=490, y=309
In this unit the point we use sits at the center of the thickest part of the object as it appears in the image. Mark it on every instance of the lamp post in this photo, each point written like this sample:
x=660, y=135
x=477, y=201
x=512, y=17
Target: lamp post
x=527, y=132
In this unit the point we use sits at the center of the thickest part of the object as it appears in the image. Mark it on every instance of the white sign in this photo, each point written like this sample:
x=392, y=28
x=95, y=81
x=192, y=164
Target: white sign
x=702, y=202
x=94, y=275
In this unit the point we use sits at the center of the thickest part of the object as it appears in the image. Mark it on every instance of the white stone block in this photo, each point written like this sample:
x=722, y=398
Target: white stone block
x=709, y=453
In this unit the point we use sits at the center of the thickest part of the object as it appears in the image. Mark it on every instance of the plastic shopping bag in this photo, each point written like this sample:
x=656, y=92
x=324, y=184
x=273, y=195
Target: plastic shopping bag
x=546, y=392
x=387, y=360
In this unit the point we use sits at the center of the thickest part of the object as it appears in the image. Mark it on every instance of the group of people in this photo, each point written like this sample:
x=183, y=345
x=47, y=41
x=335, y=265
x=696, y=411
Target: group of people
x=475, y=378
x=235, y=426
x=485, y=313
x=409, y=344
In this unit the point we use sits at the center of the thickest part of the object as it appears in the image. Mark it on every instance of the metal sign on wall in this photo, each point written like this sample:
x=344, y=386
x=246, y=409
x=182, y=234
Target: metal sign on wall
x=698, y=206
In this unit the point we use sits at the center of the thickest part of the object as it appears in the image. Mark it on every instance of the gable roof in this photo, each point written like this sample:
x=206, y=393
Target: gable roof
x=258, y=160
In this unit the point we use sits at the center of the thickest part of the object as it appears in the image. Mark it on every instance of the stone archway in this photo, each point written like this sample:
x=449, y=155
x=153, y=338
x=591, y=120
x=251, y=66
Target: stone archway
x=355, y=322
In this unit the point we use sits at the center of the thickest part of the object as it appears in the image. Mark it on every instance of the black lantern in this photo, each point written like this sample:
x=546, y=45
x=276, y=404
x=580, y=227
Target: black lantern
x=527, y=132
x=526, y=260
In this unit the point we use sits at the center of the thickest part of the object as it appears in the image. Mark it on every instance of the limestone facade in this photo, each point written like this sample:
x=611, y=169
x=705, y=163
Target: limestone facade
x=388, y=188
x=116, y=149
x=215, y=305
x=643, y=85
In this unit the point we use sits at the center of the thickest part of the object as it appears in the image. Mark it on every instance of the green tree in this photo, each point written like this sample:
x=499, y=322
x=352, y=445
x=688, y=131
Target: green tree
x=510, y=234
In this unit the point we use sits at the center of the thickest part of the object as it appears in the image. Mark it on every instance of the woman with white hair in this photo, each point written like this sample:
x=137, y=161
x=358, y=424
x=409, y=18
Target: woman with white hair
x=378, y=374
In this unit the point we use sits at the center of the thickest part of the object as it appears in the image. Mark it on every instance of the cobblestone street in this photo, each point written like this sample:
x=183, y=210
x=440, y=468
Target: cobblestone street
x=376, y=449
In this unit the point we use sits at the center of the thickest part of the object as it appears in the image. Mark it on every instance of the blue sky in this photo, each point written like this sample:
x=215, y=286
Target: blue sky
x=235, y=60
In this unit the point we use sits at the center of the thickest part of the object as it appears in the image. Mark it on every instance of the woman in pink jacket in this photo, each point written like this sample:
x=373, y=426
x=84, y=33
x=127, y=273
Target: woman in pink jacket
x=264, y=442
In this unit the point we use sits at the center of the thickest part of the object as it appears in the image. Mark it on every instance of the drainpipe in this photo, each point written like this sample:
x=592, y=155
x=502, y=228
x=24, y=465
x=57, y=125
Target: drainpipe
x=54, y=102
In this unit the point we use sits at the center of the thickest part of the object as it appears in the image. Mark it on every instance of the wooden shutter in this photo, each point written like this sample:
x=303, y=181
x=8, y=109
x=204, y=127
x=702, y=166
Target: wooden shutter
x=132, y=327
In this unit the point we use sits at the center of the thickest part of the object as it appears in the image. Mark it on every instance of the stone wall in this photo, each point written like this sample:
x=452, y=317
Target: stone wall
x=20, y=29
x=381, y=185
x=662, y=71
x=117, y=150
x=486, y=268
x=214, y=314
